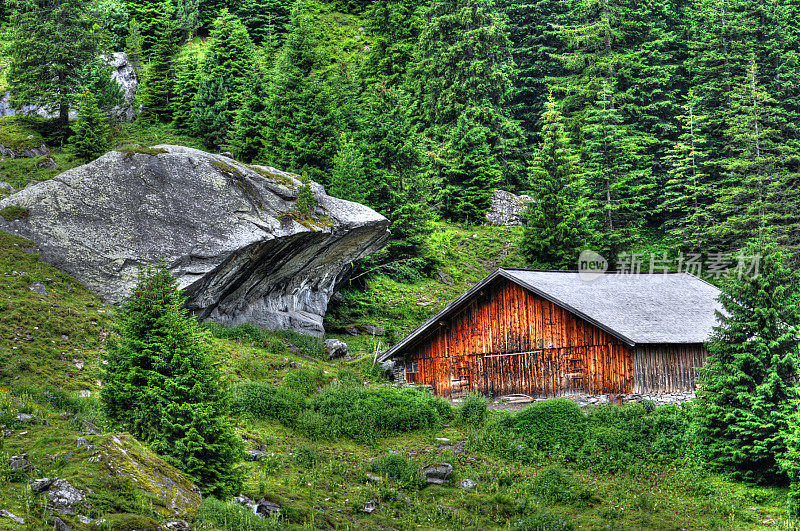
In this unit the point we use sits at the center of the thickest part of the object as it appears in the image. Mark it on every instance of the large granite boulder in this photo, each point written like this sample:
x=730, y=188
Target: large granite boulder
x=230, y=233
x=507, y=209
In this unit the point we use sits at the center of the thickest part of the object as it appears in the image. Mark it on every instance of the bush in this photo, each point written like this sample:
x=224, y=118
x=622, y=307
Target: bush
x=607, y=449
x=365, y=414
x=230, y=516
x=551, y=425
x=556, y=486
x=472, y=410
x=262, y=400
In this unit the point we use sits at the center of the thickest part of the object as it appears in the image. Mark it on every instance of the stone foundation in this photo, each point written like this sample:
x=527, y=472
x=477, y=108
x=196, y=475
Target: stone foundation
x=658, y=398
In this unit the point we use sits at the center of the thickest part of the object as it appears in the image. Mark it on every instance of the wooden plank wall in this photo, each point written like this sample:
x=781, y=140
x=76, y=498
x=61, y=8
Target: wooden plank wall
x=666, y=368
x=552, y=351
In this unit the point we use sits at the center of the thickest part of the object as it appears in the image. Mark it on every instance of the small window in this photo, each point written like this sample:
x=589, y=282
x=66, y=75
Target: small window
x=412, y=367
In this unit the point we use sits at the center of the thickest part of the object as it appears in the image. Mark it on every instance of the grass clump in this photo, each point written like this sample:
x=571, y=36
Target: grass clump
x=472, y=411
x=366, y=414
x=399, y=468
x=308, y=457
x=14, y=212
x=303, y=381
x=230, y=516
x=556, y=486
x=262, y=400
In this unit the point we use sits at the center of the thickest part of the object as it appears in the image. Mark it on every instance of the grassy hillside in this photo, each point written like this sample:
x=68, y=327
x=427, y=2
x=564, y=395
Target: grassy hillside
x=321, y=478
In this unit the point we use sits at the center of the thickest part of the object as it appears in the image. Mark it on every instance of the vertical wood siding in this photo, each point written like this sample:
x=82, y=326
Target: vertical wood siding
x=507, y=340
x=667, y=368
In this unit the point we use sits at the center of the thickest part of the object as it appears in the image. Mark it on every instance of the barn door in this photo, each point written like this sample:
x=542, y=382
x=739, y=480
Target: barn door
x=574, y=377
x=459, y=376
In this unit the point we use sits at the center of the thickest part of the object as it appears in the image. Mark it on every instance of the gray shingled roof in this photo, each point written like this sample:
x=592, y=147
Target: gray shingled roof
x=660, y=308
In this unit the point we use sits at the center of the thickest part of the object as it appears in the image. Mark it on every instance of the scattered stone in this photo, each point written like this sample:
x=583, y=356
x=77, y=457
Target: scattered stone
x=444, y=278
x=48, y=164
x=38, y=485
x=437, y=474
x=372, y=330
x=84, y=519
x=768, y=521
x=25, y=417
x=466, y=483
x=62, y=496
x=373, y=478
x=78, y=365
x=84, y=393
x=19, y=462
x=9, y=514
x=424, y=303
x=507, y=208
x=6, y=188
x=82, y=441
x=255, y=455
x=443, y=440
x=61, y=525
x=38, y=287
x=370, y=506
x=175, y=524
x=90, y=429
x=226, y=154
x=336, y=348
x=352, y=330
x=244, y=500
x=265, y=507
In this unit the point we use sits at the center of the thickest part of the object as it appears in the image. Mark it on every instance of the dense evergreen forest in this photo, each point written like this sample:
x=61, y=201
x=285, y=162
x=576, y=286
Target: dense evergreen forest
x=631, y=122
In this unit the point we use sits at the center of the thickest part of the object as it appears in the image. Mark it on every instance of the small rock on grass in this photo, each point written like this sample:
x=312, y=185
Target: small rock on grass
x=437, y=474
x=9, y=514
x=466, y=483
x=374, y=478
x=38, y=287
x=370, y=506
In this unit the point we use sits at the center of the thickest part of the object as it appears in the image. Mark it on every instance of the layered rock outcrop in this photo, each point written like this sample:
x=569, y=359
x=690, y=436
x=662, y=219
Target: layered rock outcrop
x=230, y=233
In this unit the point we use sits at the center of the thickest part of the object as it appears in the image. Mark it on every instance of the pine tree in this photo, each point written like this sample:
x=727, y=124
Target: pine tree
x=395, y=26
x=251, y=119
x=754, y=197
x=301, y=132
x=749, y=382
x=152, y=17
x=463, y=65
x=348, y=176
x=211, y=116
x=159, y=78
x=229, y=55
x=265, y=19
x=161, y=385
x=133, y=47
x=53, y=40
x=557, y=225
x=187, y=18
x=617, y=183
x=469, y=170
x=187, y=81
x=91, y=136
x=686, y=196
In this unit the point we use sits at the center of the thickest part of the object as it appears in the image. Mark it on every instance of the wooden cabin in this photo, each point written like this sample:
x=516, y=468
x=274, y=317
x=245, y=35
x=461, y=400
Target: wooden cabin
x=554, y=333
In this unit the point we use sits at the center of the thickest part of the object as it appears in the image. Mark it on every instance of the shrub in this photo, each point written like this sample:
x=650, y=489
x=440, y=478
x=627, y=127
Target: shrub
x=551, y=425
x=472, y=410
x=555, y=486
x=303, y=381
x=262, y=400
x=308, y=457
x=365, y=414
x=349, y=378
x=230, y=516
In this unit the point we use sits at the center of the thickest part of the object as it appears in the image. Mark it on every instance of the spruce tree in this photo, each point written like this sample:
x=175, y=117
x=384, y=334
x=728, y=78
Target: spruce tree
x=557, y=225
x=133, y=47
x=161, y=385
x=463, y=65
x=617, y=182
x=53, y=40
x=749, y=384
x=229, y=55
x=211, y=116
x=245, y=138
x=152, y=16
x=348, y=176
x=159, y=77
x=187, y=81
x=91, y=136
x=395, y=26
x=469, y=171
